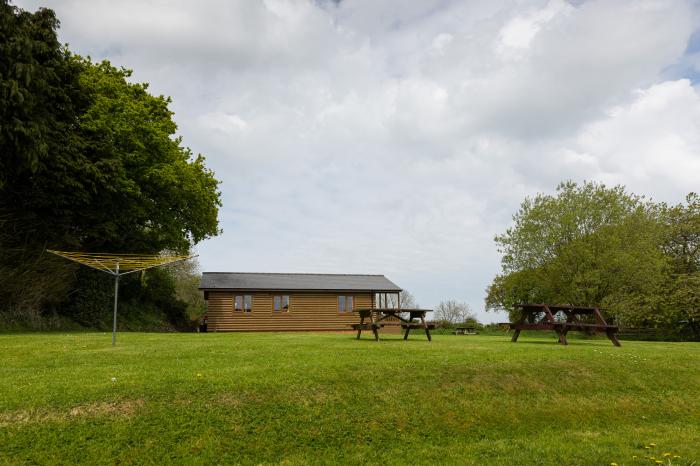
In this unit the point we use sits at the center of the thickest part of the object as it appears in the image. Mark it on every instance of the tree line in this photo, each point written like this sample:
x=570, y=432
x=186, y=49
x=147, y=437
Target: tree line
x=89, y=161
x=593, y=245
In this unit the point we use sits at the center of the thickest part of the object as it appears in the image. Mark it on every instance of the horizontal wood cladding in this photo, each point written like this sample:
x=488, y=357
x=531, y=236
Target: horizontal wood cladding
x=307, y=311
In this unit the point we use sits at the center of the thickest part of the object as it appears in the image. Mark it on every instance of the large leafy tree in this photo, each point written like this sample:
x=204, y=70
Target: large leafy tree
x=88, y=159
x=38, y=94
x=123, y=181
x=674, y=301
x=681, y=244
x=586, y=245
x=37, y=90
x=681, y=241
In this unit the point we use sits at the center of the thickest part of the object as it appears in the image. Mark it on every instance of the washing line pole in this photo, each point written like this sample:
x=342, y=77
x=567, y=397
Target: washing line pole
x=116, y=298
x=118, y=265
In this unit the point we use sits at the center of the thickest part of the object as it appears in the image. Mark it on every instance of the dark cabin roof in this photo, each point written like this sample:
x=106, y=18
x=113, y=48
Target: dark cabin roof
x=295, y=282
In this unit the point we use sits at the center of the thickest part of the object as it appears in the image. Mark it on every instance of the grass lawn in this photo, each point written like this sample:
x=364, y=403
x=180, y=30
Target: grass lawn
x=300, y=398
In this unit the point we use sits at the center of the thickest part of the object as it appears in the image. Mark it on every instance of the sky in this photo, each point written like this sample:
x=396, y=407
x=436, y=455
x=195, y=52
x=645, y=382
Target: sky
x=398, y=137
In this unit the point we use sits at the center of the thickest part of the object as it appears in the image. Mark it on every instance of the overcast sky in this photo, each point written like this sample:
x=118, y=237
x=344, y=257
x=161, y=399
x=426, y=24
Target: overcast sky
x=398, y=137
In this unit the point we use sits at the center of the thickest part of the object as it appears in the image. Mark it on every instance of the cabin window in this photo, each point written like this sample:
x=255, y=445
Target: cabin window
x=345, y=303
x=247, y=303
x=243, y=303
x=281, y=303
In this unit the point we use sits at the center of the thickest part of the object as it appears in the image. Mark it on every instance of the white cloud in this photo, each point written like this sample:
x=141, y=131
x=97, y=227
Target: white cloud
x=441, y=42
x=399, y=137
x=652, y=145
x=519, y=31
x=223, y=122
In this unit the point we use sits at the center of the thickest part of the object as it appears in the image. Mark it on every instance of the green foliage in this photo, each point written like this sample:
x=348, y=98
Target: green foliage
x=323, y=398
x=546, y=224
x=588, y=245
x=599, y=246
x=682, y=235
x=36, y=114
x=152, y=193
x=186, y=277
x=677, y=300
x=123, y=182
x=157, y=287
x=91, y=303
x=147, y=301
x=88, y=161
x=35, y=103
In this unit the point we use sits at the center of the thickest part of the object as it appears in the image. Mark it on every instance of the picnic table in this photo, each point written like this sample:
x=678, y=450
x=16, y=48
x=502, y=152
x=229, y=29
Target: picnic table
x=562, y=319
x=466, y=330
x=379, y=318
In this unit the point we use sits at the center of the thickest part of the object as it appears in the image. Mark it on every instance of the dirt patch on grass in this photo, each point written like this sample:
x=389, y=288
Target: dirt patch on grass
x=117, y=408
x=120, y=408
x=227, y=399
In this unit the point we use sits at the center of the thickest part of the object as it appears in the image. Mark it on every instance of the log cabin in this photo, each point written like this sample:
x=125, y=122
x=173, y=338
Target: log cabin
x=291, y=301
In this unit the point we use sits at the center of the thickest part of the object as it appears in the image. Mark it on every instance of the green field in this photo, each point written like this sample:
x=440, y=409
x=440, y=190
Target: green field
x=301, y=398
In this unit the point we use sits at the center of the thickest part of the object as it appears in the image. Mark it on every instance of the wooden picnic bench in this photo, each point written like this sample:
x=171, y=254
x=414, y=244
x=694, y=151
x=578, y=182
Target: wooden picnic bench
x=468, y=330
x=379, y=318
x=562, y=319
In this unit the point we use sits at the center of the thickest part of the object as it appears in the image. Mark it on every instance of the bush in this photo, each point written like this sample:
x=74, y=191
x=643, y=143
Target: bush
x=146, y=302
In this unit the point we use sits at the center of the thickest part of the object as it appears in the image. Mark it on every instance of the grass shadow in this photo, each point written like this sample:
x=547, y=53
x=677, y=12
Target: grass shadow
x=398, y=338
x=572, y=342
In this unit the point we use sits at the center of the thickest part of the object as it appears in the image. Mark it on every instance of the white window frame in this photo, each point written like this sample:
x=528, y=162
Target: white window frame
x=243, y=299
x=348, y=303
x=280, y=300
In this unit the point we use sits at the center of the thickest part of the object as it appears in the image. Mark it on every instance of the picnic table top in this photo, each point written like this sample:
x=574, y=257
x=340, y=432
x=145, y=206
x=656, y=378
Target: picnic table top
x=561, y=327
x=392, y=310
x=380, y=317
x=559, y=307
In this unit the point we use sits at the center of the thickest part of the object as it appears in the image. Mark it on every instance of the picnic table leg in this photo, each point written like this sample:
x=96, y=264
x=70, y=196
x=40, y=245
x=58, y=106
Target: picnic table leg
x=425, y=326
x=359, y=330
x=610, y=333
x=562, y=336
x=613, y=338
x=599, y=316
x=408, y=329
x=374, y=327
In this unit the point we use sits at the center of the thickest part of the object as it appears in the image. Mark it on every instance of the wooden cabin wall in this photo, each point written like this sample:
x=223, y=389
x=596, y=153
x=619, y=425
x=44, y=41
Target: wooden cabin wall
x=307, y=311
